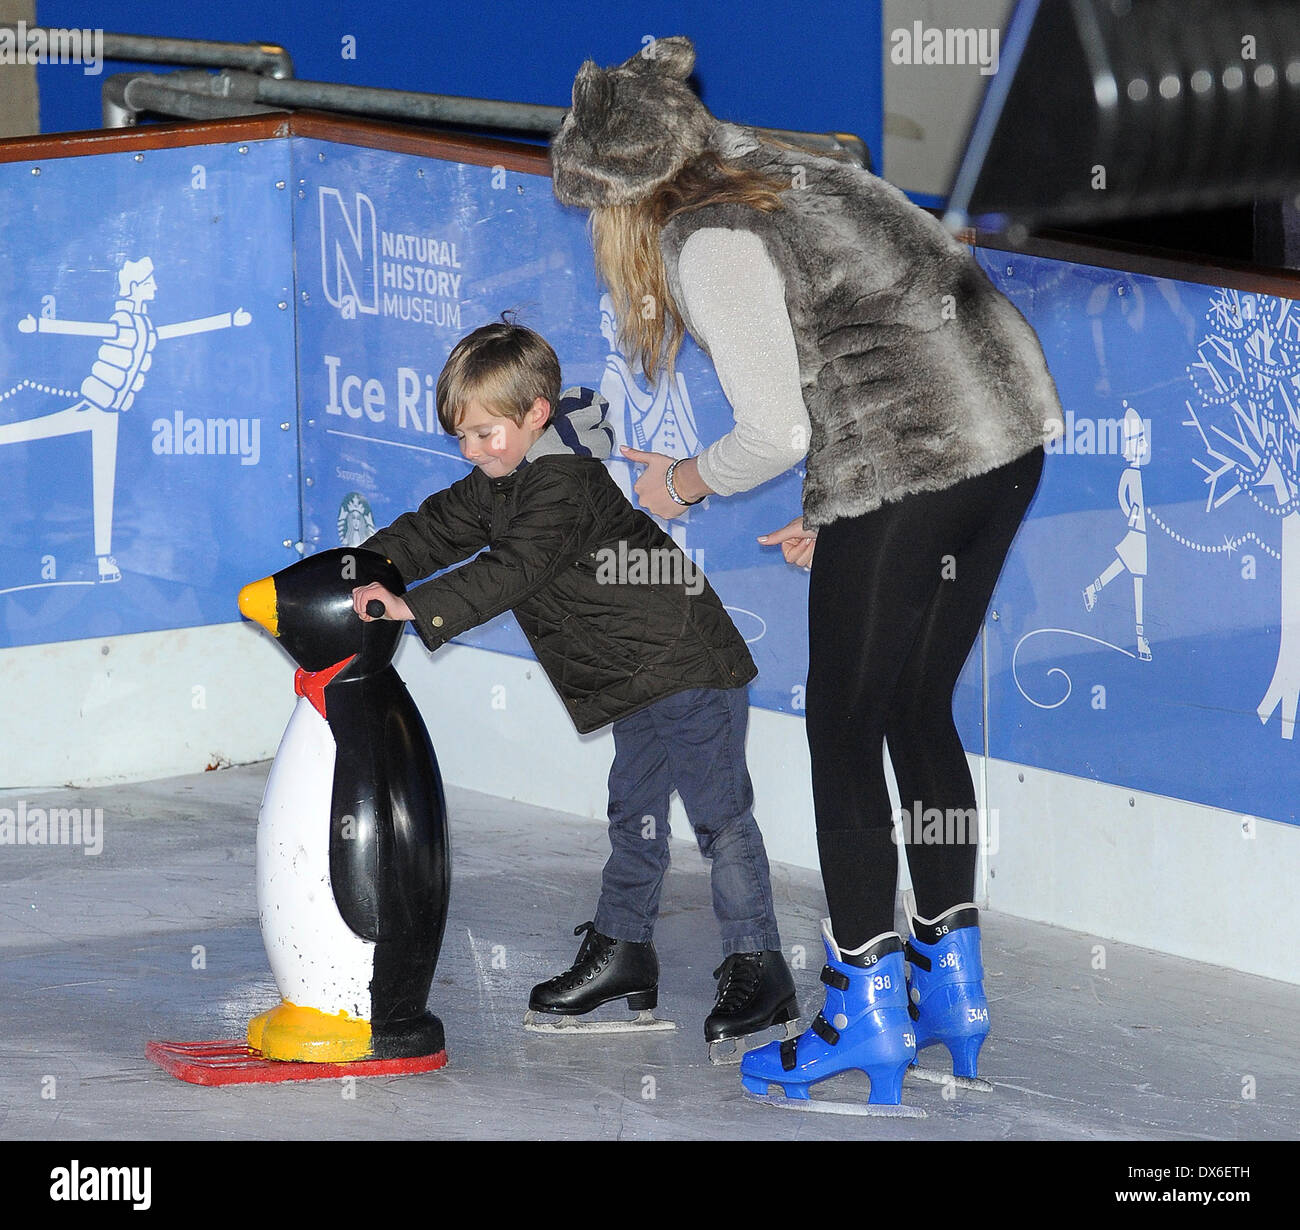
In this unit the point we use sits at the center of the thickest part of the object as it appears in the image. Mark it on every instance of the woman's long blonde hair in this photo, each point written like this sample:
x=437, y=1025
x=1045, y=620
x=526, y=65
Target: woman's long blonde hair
x=630, y=263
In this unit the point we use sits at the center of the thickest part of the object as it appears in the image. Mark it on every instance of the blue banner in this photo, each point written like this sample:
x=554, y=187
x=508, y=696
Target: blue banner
x=1147, y=630
x=400, y=257
x=147, y=402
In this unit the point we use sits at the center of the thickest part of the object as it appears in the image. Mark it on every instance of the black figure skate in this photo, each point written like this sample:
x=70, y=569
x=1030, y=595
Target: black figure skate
x=605, y=969
x=755, y=992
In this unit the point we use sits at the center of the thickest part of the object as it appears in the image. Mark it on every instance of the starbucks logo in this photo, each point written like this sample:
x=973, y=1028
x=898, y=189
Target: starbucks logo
x=356, y=523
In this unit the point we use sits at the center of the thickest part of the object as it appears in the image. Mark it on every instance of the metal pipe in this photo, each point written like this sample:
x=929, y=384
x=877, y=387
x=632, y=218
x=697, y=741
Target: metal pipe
x=113, y=102
x=826, y=143
x=144, y=94
x=184, y=95
x=265, y=59
x=262, y=73
x=484, y=112
x=410, y=106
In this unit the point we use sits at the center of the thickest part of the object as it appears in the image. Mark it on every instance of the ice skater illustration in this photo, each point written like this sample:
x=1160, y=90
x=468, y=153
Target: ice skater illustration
x=658, y=420
x=1131, y=550
x=654, y=420
x=117, y=375
x=1130, y=556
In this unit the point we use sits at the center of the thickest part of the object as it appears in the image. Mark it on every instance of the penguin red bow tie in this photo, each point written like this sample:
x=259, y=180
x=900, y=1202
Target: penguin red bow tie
x=312, y=684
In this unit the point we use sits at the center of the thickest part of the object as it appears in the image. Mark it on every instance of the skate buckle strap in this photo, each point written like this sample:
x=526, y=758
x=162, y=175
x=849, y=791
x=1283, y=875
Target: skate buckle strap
x=825, y=1030
x=833, y=978
x=916, y=958
x=921, y=961
x=821, y=1027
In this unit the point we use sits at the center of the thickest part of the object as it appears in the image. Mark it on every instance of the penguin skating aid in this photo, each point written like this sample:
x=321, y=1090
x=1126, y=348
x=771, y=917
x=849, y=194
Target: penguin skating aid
x=353, y=871
x=353, y=874
x=863, y=1027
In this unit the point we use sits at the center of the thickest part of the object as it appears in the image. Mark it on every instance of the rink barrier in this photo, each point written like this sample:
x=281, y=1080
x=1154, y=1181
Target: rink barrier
x=150, y=675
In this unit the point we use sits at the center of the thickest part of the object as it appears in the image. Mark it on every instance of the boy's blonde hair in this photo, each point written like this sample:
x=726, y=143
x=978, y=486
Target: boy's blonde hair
x=503, y=366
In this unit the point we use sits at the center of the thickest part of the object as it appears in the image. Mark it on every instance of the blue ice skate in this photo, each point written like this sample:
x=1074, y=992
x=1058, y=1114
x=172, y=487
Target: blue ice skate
x=864, y=1026
x=946, y=990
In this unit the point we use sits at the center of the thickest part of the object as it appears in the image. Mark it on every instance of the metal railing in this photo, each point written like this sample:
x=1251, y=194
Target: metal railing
x=232, y=92
x=268, y=59
x=255, y=78
x=181, y=95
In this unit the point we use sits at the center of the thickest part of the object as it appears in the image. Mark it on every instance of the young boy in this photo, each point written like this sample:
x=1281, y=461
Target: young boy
x=629, y=632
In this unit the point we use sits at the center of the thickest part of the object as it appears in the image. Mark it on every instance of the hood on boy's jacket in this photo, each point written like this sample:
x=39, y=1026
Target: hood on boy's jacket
x=577, y=427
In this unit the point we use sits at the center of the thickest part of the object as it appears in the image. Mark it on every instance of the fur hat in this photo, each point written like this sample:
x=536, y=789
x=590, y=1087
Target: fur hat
x=631, y=128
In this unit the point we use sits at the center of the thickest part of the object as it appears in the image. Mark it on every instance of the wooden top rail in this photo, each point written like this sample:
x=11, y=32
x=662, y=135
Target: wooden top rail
x=373, y=134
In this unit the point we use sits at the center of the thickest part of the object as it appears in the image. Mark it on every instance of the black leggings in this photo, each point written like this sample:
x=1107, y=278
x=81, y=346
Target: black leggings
x=896, y=600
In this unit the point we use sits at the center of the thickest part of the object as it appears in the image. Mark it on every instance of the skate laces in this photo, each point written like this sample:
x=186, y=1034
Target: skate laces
x=595, y=947
x=740, y=975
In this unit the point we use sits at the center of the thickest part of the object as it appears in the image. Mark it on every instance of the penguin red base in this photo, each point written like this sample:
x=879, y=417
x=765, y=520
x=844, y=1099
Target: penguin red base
x=231, y=1062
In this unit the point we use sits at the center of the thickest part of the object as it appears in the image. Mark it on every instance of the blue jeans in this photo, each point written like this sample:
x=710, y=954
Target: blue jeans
x=693, y=742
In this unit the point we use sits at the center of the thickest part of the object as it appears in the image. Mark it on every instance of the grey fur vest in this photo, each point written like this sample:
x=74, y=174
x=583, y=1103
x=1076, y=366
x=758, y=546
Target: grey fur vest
x=916, y=372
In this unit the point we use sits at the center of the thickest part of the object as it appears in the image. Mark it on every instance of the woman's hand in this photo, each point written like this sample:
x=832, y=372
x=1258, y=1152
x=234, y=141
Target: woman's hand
x=652, y=488
x=394, y=607
x=797, y=544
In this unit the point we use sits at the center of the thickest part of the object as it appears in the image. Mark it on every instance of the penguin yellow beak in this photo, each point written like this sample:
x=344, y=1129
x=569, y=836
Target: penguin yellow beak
x=257, y=602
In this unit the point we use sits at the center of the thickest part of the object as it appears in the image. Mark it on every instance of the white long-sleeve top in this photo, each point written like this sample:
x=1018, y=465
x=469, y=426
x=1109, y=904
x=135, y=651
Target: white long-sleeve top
x=734, y=301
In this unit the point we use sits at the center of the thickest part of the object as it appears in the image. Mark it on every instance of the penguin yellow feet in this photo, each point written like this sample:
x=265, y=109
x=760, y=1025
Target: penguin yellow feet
x=308, y=1035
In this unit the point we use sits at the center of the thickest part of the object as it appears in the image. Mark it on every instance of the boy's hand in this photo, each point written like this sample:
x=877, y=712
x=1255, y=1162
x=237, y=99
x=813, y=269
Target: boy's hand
x=394, y=607
x=797, y=543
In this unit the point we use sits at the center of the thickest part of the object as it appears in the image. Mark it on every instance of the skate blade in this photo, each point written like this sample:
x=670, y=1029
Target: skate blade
x=864, y=1109
x=732, y=1050
x=548, y=1023
x=973, y=1084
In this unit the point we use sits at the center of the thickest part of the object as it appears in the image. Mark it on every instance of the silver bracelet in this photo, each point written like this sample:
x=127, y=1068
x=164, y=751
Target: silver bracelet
x=672, y=491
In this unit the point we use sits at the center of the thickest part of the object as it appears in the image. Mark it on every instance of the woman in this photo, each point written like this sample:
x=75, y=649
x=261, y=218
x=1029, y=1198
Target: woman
x=844, y=324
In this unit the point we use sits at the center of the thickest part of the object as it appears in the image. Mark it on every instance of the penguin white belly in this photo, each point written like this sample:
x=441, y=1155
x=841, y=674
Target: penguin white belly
x=318, y=960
